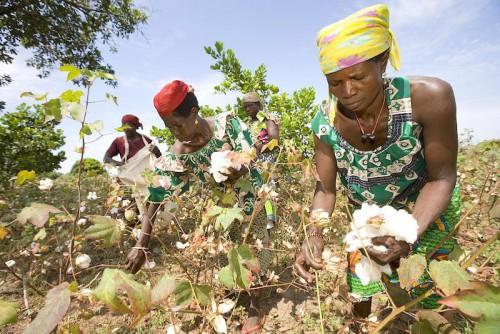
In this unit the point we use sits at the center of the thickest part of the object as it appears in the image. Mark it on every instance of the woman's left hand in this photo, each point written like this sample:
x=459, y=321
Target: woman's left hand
x=395, y=250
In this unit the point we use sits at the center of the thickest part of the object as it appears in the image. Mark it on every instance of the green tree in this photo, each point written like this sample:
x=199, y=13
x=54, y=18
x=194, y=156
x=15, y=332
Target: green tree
x=27, y=142
x=65, y=31
x=296, y=109
x=91, y=167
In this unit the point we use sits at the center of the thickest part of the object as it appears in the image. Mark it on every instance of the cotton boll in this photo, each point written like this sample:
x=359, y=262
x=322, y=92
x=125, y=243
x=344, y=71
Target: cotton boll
x=361, y=216
x=82, y=261
x=370, y=272
x=220, y=165
x=354, y=243
x=401, y=225
x=46, y=184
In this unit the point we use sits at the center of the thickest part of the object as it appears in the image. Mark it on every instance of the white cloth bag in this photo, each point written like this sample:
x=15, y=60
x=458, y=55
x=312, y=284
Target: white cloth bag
x=131, y=172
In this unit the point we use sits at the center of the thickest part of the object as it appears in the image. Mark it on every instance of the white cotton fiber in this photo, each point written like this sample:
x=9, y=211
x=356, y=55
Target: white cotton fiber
x=373, y=221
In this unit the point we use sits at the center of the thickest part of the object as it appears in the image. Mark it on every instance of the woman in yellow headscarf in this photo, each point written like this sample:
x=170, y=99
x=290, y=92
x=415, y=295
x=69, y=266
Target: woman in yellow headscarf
x=393, y=141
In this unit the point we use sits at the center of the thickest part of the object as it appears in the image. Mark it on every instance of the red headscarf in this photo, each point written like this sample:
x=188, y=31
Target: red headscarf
x=170, y=97
x=131, y=119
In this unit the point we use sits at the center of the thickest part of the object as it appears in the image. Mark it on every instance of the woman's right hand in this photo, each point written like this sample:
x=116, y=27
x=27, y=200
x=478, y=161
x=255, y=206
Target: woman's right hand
x=135, y=259
x=305, y=260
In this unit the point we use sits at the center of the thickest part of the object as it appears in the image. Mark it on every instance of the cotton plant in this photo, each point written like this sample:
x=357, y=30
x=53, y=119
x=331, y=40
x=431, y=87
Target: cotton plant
x=373, y=221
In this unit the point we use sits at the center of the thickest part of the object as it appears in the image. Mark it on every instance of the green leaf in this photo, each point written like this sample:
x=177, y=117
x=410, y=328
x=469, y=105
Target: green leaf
x=37, y=214
x=8, y=312
x=203, y=294
x=115, y=281
x=24, y=176
x=248, y=258
x=244, y=185
x=410, y=270
x=243, y=276
x=432, y=322
x=74, y=110
x=270, y=146
x=183, y=294
x=38, y=97
x=226, y=277
x=457, y=254
x=448, y=276
x=73, y=72
x=214, y=211
x=105, y=75
x=112, y=98
x=163, y=289
x=55, y=308
x=41, y=235
x=104, y=228
x=229, y=198
x=219, y=46
x=86, y=130
x=481, y=302
x=71, y=96
x=96, y=126
x=487, y=327
x=52, y=109
x=397, y=294
x=228, y=216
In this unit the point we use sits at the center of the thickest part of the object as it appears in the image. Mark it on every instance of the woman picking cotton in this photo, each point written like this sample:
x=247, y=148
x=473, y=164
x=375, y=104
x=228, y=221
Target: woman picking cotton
x=201, y=152
x=393, y=142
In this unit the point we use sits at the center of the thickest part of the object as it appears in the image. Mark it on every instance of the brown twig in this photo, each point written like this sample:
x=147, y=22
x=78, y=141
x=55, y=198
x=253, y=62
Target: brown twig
x=19, y=278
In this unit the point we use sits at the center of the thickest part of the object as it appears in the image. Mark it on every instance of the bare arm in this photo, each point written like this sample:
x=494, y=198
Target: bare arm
x=309, y=255
x=109, y=160
x=137, y=256
x=435, y=109
x=326, y=166
x=110, y=153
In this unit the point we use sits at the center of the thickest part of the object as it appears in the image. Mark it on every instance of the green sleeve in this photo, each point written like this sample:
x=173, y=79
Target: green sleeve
x=169, y=180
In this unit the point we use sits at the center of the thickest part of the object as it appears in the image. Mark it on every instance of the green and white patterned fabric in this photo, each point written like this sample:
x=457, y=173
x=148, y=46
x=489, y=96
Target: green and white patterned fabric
x=175, y=172
x=390, y=174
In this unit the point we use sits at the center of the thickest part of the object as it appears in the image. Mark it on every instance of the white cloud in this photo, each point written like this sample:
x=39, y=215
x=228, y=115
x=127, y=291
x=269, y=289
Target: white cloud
x=410, y=12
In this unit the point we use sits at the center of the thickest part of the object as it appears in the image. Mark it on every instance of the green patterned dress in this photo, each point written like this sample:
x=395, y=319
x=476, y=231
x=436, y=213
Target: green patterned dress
x=175, y=172
x=391, y=174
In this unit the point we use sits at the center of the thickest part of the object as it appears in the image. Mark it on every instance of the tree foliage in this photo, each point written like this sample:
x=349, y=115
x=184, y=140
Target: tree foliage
x=296, y=109
x=64, y=32
x=90, y=166
x=28, y=142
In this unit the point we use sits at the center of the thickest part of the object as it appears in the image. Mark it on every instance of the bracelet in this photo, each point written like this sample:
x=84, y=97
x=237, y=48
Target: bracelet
x=141, y=248
x=316, y=234
x=320, y=218
x=145, y=234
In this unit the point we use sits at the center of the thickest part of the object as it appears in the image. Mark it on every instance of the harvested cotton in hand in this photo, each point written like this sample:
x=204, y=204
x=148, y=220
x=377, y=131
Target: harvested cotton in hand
x=373, y=221
x=221, y=162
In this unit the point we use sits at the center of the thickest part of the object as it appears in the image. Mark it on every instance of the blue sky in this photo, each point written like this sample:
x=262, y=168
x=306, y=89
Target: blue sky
x=455, y=40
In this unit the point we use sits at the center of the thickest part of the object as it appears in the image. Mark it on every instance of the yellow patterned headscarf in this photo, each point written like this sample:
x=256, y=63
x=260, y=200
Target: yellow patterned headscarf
x=357, y=38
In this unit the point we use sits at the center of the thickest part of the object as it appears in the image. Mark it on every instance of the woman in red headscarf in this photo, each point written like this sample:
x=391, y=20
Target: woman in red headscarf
x=190, y=159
